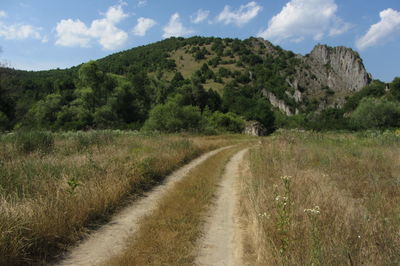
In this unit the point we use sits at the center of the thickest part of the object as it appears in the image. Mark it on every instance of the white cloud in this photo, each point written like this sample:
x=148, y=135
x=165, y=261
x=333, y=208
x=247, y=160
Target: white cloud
x=115, y=14
x=299, y=19
x=19, y=31
x=72, y=33
x=199, y=16
x=143, y=25
x=175, y=27
x=142, y=3
x=241, y=16
x=388, y=27
x=339, y=27
x=76, y=33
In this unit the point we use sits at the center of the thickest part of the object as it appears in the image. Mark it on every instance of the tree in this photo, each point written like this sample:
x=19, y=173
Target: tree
x=328, y=119
x=174, y=117
x=105, y=117
x=214, y=101
x=74, y=117
x=7, y=109
x=44, y=112
x=91, y=85
x=376, y=113
x=3, y=121
x=375, y=89
x=222, y=123
x=394, y=92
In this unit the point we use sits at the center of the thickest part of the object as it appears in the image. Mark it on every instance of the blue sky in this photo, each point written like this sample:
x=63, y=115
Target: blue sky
x=44, y=34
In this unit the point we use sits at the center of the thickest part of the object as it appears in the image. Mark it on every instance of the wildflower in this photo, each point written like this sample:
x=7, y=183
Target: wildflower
x=286, y=178
x=315, y=210
x=283, y=198
x=264, y=214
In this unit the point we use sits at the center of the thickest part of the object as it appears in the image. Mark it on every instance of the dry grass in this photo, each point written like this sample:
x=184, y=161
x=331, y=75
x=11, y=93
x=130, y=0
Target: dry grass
x=340, y=205
x=48, y=200
x=169, y=235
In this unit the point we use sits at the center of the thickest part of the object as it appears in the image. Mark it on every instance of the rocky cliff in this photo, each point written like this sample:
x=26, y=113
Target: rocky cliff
x=330, y=74
x=344, y=67
x=324, y=77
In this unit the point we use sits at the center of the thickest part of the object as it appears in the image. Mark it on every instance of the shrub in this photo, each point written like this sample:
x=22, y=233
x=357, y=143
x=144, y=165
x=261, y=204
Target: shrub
x=3, y=121
x=376, y=113
x=222, y=123
x=84, y=140
x=328, y=119
x=173, y=117
x=31, y=141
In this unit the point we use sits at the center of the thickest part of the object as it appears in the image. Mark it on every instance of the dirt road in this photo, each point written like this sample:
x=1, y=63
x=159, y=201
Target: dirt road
x=110, y=239
x=221, y=244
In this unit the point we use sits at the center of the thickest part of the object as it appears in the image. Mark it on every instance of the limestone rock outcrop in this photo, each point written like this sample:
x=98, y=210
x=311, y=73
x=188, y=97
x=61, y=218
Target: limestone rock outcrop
x=344, y=68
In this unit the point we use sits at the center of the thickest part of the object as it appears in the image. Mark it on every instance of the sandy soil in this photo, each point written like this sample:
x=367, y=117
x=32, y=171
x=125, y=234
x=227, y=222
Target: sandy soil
x=110, y=239
x=221, y=244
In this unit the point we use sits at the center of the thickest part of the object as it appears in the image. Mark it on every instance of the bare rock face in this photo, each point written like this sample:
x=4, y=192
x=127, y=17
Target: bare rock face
x=328, y=75
x=343, y=66
x=280, y=104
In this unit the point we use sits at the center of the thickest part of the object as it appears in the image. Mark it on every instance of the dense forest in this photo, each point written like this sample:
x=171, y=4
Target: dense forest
x=198, y=84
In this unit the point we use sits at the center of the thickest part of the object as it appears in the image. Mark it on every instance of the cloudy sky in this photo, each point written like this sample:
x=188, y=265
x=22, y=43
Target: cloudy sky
x=44, y=34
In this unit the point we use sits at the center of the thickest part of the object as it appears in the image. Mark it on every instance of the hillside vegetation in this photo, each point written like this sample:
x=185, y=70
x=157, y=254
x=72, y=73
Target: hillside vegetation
x=199, y=84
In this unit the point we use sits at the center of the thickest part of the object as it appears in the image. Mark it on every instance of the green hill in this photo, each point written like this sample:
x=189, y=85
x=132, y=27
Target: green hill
x=220, y=82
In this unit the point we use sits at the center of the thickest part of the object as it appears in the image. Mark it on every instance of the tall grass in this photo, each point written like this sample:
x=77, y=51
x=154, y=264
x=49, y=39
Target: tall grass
x=49, y=199
x=31, y=141
x=342, y=201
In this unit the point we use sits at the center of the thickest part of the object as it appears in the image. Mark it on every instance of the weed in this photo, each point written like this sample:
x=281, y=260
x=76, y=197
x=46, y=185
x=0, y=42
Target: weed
x=73, y=183
x=316, y=248
x=31, y=141
x=283, y=207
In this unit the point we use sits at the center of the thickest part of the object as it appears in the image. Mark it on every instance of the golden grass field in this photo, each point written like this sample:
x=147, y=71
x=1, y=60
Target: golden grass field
x=49, y=198
x=323, y=199
x=306, y=198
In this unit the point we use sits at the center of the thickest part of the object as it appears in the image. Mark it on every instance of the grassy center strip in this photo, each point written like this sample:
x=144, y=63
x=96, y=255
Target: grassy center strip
x=168, y=236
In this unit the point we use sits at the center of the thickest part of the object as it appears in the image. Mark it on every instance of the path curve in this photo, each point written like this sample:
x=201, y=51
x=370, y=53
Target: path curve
x=111, y=238
x=221, y=244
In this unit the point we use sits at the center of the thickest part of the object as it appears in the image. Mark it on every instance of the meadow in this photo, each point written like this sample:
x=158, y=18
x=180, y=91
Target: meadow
x=323, y=199
x=55, y=187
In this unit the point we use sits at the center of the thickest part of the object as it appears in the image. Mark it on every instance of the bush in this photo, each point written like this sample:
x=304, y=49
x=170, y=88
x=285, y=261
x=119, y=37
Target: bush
x=84, y=140
x=220, y=123
x=174, y=117
x=376, y=113
x=3, y=121
x=328, y=119
x=31, y=141
x=375, y=89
